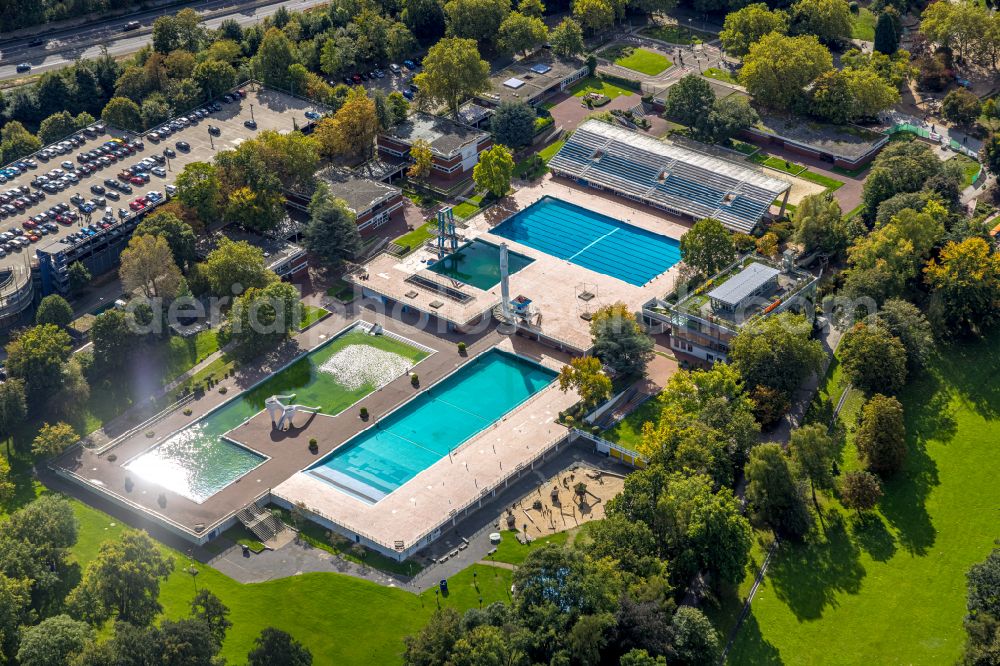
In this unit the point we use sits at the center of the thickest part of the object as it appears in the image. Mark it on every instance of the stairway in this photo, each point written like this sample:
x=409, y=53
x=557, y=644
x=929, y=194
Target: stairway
x=260, y=521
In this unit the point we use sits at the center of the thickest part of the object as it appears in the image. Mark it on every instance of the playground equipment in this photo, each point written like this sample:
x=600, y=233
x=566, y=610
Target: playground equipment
x=282, y=414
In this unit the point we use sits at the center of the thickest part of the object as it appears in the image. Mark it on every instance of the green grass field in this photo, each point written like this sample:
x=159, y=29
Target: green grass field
x=181, y=354
x=891, y=588
x=719, y=75
x=796, y=170
x=970, y=168
x=417, y=237
x=343, y=620
x=312, y=314
x=628, y=431
x=593, y=84
x=863, y=24
x=676, y=34
x=512, y=551
x=643, y=61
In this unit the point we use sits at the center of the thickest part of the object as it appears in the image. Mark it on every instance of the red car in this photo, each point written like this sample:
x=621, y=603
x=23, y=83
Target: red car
x=29, y=224
x=135, y=180
x=33, y=238
x=241, y=92
x=138, y=204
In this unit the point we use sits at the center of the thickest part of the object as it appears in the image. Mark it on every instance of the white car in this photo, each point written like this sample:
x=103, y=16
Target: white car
x=170, y=190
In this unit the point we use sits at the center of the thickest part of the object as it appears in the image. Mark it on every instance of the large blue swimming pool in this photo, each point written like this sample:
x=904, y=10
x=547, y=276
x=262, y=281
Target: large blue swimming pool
x=591, y=240
x=399, y=446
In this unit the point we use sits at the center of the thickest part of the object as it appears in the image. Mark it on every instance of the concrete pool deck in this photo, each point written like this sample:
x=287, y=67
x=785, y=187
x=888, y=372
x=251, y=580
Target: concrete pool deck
x=554, y=285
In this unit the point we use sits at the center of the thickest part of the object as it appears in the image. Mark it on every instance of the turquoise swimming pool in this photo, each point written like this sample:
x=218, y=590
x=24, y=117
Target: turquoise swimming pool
x=478, y=263
x=399, y=446
x=591, y=240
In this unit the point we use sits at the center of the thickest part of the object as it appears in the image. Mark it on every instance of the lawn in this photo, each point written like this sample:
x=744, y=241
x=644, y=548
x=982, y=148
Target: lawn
x=592, y=84
x=676, y=34
x=417, y=237
x=793, y=169
x=512, y=551
x=719, y=75
x=530, y=168
x=468, y=208
x=863, y=25
x=342, y=290
x=311, y=314
x=970, y=169
x=891, y=589
x=628, y=431
x=643, y=61
x=343, y=620
x=180, y=354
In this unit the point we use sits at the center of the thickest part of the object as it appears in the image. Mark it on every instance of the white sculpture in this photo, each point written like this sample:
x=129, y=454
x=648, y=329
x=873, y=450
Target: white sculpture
x=282, y=414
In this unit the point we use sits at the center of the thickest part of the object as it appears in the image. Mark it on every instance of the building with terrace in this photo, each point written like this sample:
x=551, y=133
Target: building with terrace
x=533, y=79
x=676, y=179
x=373, y=202
x=704, y=321
x=455, y=147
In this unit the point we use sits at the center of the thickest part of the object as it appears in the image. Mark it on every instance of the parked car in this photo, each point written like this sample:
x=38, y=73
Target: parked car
x=23, y=67
x=215, y=131
x=250, y=124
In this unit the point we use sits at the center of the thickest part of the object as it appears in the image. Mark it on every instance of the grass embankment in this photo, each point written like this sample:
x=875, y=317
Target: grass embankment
x=639, y=60
x=592, y=84
x=890, y=588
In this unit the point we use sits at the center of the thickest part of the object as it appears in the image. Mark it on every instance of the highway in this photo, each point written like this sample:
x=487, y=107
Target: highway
x=64, y=46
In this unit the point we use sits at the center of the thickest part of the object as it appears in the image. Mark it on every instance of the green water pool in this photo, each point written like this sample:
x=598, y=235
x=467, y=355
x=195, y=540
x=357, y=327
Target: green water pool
x=478, y=263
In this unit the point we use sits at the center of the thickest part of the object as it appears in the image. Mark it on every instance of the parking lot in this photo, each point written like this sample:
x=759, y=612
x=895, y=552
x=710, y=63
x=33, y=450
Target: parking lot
x=270, y=110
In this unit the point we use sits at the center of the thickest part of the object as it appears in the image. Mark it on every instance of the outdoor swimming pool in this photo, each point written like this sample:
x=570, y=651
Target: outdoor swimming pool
x=591, y=240
x=478, y=263
x=389, y=453
x=198, y=461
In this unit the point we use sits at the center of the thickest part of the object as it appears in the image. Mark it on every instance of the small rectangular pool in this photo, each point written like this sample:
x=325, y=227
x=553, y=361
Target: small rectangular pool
x=198, y=461
x=591, y=240
x=407, y=441
x=478, y=263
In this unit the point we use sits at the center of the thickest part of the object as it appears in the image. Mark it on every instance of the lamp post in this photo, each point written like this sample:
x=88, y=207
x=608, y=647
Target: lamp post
x=251, y=114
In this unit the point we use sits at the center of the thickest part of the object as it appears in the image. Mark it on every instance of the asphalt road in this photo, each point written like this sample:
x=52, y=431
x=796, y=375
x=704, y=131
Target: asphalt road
x=62, y=47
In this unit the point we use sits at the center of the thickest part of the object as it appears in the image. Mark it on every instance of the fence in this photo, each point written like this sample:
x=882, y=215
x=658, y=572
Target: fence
x=935, y=137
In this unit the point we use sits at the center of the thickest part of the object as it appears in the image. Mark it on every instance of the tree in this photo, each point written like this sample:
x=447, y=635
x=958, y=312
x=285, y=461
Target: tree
x=639, y=657
x=567, y=38
x=147, y=265
x=420, y=153
x=777, y=68
x=111, y=336
x=905, y=321
x=178, y=234
x=123, y=113
x=585, y=375
x=155, y=110
x=619, y=341
x=729, y=116
x=16, y=141
x=828, y=20
x=186, y=641
x=332, y=232
x=13, y=408
x=965, y=284
x=351, y=131
x=881, y=435
x=777, y=351
x=433, y=644
x=494, y=170
x=817, y=224
x=53, y=440
x=263, y=316
x=199, y=189
x=594, y=15
x=690, y=100
x=56, y=126
x=214, y=78
x=886, y=36
x=7, y=487
x=513, y=123
x=961, y=106
x=399, y=107
x=534, y=8
x=982, y=582
x=520, y=33
x=453, y=71
x=630, y=543
x=257, y=209
x=812, y=451
x=37, y=356
x=15, y=611
x=400, y=42
x=79, y=277
x=773, y=493
x=275, y=55
x=873, y=359
x=53, y=641
x=54, y=309
x=860, y=490
x=235, y=266
x=747, y=25
x=209, y=609
x=989, y=154
x=693, y=639
x=708, y=247
x=476, y=19
x=425, y=18
x=276, y=648
x=122, y=581
x=586, y=640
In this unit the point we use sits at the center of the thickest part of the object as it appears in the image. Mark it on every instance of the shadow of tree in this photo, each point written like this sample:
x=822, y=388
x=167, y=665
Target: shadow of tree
x=871, y=534
x=751, y=647
x=970, y=367
x=807, y=576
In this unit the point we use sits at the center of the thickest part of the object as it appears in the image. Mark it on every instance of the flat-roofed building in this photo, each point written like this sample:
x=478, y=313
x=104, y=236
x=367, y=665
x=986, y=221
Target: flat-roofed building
x=533, y=79
x=704, y=320
x=373, y=202
x=673, y=178
x=454, y=147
